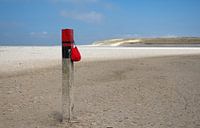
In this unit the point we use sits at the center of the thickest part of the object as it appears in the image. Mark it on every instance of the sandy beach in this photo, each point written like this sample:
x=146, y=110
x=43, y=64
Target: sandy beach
x=114, y=88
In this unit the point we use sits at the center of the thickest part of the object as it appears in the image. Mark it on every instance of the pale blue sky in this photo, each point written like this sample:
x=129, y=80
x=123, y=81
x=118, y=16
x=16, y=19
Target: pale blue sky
x=39, y=22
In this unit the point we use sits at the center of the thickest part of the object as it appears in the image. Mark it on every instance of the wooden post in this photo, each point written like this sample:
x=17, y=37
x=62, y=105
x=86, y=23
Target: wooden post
x=67, y=75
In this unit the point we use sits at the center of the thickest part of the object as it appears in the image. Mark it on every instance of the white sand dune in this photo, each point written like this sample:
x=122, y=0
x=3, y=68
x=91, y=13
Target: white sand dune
x=116, y=42
x=125, y=42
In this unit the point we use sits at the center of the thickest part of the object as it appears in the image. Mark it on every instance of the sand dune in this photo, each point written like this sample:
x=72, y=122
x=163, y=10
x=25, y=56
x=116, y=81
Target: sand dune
x=116, y=42
x=162, y=41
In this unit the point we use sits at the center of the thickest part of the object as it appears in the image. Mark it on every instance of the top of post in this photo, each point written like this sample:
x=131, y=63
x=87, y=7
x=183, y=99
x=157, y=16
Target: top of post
x=68, y=35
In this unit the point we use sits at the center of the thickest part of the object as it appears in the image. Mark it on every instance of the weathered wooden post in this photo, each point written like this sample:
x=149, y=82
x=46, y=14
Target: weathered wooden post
x=67, y=75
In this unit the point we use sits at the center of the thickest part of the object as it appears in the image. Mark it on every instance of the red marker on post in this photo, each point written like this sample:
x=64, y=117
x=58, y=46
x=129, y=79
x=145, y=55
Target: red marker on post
x=69, y=49
x=67, y=42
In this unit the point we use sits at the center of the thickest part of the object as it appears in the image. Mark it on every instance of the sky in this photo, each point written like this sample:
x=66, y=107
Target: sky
x=39, y=22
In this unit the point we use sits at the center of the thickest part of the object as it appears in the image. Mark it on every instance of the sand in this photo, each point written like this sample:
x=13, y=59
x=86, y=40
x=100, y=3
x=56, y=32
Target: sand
x=14, y=59
x=148, y=92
